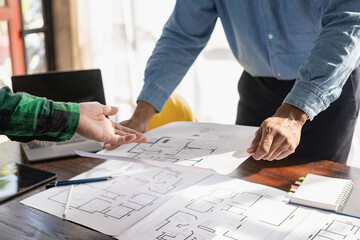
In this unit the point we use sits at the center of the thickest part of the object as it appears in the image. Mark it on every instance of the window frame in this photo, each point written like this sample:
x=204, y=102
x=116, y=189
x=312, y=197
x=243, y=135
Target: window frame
x=46, y=29
x=11, y=13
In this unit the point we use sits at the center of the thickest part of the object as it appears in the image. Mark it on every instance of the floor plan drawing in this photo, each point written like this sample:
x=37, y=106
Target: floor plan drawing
x=108, y=202
x=201, y=145
x=236, y=213
x=178, y=225
x=110, y=199
x=147, y=202
x=114, y=205
x=321, y=226
x=173, y=150
x=221, y=212
x=337, y=230
x=235, y=210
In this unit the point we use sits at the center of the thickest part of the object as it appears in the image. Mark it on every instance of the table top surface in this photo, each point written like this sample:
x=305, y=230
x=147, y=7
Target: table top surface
x=22, y=222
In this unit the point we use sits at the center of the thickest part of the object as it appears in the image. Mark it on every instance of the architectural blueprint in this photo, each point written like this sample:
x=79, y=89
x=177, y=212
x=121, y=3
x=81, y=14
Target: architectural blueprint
x=147, y=202
x=218, y=147
x=113, y=206
x=321, y=226
x=219, y=208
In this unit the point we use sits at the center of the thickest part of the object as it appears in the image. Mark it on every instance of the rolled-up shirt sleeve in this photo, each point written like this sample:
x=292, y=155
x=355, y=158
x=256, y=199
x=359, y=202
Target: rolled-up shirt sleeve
x=335, y=55
x=24, y=117
x=184, y=36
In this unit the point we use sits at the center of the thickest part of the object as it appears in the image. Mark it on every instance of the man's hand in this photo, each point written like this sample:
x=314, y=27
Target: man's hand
x=93, y=124
x=139, y=120
x=279, y=135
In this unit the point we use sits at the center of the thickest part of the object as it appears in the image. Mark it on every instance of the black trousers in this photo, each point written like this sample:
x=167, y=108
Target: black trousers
x=328, y=136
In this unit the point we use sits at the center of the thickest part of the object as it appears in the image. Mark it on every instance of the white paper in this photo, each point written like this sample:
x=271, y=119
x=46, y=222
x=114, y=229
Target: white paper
x=326, y=226
x=220, y=207
x=217, y=147
x=4, y=138
x=223, y=208
x=113, y=206
x=146, y=202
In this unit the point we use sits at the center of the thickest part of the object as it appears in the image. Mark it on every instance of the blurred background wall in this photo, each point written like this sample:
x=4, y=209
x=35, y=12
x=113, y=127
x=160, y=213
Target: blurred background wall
x=118, y=37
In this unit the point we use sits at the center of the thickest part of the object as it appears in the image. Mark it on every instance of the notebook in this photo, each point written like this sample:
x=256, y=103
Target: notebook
x=328, y=193
x=66, y=86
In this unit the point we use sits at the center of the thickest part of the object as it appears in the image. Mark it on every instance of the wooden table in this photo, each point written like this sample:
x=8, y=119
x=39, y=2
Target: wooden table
x=21, y=222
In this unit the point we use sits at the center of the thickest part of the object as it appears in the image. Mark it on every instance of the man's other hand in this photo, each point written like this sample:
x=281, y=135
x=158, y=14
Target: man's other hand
x=94, y=124
x=279, y=135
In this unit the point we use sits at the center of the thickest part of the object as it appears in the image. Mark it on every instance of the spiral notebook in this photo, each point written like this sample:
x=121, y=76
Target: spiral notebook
x=328, y=193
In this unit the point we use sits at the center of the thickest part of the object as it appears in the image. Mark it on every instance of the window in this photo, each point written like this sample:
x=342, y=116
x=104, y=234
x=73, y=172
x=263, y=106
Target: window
x=11, y=50
x=36, y=31
x=25, y=38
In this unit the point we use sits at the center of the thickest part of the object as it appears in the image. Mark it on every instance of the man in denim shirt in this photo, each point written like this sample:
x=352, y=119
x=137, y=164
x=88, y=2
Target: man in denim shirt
x=300, y=59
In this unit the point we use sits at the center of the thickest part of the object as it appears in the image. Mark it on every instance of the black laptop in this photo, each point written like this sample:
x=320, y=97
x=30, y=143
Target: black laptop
x=65, y=86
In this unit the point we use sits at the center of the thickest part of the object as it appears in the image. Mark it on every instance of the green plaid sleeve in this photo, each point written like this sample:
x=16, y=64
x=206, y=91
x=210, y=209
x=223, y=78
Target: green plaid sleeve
x=24, y=117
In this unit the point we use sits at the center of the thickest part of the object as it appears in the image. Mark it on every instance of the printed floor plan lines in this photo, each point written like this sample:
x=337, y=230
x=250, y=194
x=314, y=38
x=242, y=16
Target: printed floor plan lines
x=336, y=230
x=240, y=213
x=170, y=149
x=120, y=202
x=111, y=200
x=189, y=144
x=147, y=202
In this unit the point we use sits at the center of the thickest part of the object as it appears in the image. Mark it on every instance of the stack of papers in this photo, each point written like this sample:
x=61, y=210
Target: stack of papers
x=147, y=202
x=169, y=198
x=197, y=146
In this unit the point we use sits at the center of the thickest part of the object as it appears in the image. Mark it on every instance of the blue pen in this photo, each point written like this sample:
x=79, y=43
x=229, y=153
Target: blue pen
x=79, y=181
x=326, y=210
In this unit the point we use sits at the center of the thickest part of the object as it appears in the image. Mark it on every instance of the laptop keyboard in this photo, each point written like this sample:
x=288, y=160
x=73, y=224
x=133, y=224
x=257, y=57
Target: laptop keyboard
x=36, y=144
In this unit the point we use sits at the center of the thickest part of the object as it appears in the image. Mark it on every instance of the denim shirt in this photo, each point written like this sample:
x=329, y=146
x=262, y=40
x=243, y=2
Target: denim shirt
x=316, y=42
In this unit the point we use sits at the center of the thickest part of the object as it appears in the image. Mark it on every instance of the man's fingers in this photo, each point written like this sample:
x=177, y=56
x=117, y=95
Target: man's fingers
x=118, y=139
x=263, y=147
x=122, y=137
x=255, y=142
x=110, y=110
x=109, y=146
x=140, y=138
x=128, y=139
x=283, y=154
x=276, y=148
x=125, y=129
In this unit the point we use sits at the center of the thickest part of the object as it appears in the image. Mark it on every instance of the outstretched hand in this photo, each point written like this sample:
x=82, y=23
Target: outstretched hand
x=139, y=120
x=279, y=135
x=93, y=124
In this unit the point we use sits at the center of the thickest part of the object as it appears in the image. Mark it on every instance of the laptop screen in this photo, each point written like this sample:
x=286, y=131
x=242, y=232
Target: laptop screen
x=65, y=86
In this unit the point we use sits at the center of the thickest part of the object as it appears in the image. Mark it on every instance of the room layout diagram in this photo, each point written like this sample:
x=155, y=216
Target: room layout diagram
x=221, y=214
x=243, y=216
x=199, y=145
x=113, y=201
x=240, y=205
x=337, y=230
x=187, y=148
x=320, y=225
x=237, y=210
x=147, y=202
x=186, y=151
x=114, y=205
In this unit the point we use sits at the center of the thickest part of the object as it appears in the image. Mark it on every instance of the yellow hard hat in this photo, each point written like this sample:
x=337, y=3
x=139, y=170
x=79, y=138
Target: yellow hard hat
x=175, y=109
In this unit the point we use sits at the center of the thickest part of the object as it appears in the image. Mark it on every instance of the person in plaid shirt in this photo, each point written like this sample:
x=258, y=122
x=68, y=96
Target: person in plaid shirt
x=24, y=117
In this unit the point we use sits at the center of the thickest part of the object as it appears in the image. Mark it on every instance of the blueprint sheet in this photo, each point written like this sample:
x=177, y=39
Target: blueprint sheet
x=147, y=202
x=216, y=147
x=113, y=206
x=223, y=208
